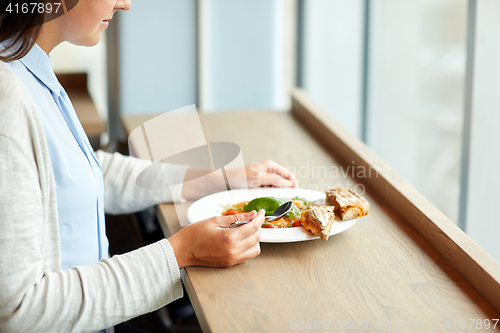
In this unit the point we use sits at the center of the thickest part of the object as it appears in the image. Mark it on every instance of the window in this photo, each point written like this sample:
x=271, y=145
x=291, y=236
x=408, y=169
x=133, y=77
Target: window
x=416, y=92
x=395, y=74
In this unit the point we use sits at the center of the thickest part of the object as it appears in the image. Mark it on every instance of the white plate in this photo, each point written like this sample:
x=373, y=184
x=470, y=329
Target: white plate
x=209, y=206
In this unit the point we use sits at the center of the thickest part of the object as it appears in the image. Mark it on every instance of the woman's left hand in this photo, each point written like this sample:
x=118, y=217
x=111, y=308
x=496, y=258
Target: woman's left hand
x=259, y=174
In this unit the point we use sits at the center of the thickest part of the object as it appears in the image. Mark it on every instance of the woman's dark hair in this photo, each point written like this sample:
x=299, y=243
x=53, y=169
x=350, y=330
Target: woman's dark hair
x=21, y=30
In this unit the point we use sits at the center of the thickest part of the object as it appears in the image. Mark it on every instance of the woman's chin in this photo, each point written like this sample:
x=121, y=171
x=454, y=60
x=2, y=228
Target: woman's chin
x=89, y=40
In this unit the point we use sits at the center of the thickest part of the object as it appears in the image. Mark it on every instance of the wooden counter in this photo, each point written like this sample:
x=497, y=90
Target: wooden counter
x=406, y=266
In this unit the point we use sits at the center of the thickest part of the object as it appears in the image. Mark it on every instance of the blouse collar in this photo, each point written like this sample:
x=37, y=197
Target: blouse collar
x=38, y=62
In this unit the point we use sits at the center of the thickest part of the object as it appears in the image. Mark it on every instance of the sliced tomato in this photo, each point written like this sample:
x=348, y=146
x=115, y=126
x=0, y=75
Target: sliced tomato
x=296, y=223
x=269, y=225
x=232, y=212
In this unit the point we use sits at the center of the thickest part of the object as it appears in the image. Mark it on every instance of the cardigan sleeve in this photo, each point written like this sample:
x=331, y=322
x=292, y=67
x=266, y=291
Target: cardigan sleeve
x=85, y=298
x=121, y=192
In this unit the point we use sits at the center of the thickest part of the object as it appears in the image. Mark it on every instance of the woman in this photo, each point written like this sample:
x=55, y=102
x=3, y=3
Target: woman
x=54, y=274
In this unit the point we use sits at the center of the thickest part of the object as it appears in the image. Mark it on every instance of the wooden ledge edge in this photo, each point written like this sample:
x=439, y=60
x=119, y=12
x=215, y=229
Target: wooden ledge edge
x=195, y=302
x=476, y=266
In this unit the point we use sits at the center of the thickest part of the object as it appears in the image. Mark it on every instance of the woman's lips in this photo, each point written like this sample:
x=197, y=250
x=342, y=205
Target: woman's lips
x=105, y=22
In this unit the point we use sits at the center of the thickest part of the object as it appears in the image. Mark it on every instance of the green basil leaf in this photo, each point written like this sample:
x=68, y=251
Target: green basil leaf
x=269, y=204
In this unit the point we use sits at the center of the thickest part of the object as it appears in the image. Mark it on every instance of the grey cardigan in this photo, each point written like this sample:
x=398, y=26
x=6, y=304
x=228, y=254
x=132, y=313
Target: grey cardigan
x=35, y=294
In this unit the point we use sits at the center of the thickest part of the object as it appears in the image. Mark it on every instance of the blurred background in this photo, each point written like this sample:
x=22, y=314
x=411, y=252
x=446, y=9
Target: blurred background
x=417, y=80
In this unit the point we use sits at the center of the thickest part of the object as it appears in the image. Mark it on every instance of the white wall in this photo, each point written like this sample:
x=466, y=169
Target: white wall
x=242, y=54
x=242, y=60
x=158, y=56
x=332, y=58
x=483, y=221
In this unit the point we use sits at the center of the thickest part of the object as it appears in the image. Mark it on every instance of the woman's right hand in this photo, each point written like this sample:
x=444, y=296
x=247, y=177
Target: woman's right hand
x=211, y=243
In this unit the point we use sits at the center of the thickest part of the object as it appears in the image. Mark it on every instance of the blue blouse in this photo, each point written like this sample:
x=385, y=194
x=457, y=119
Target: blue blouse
x=78, y=175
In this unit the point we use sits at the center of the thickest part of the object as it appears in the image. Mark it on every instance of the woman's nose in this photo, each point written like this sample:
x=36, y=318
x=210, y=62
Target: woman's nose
x=123, y=5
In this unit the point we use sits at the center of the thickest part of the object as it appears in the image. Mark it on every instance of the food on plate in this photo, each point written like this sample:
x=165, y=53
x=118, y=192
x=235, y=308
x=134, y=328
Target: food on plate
x=319, y=220
x=348, y=204
x=269, y=204
x=316, y=217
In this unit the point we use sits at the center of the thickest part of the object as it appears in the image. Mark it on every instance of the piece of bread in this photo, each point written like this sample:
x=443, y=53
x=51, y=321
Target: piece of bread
x=319, y=220
x=348, y=204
